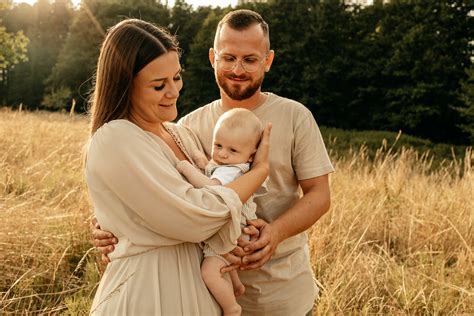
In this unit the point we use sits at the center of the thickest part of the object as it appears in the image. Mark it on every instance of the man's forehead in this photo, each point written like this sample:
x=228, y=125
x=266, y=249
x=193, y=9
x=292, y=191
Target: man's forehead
x=251, y=38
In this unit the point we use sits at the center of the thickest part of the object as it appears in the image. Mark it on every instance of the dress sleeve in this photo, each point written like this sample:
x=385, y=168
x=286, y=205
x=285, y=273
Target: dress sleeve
x=135, y=168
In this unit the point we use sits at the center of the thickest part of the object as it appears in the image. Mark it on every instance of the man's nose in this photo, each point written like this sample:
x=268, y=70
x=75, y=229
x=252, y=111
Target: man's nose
x=238, y=68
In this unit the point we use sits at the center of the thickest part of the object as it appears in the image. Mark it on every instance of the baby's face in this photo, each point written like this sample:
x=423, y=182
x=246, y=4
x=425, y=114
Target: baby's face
x=231, y=148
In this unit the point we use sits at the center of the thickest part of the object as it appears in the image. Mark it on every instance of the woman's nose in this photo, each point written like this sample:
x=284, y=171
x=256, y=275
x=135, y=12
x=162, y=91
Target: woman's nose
x=173, y=91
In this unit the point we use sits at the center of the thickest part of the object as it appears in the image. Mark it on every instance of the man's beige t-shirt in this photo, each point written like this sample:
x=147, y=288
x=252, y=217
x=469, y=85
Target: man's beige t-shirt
x=285, y=284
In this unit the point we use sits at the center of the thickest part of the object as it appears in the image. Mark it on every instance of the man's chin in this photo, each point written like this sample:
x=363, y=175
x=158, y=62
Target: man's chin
x=239, y=94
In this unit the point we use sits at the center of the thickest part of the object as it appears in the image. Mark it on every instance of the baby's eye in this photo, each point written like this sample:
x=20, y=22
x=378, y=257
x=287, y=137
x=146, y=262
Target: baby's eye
x=233, y=150
x=218, y=146
x=159, y=88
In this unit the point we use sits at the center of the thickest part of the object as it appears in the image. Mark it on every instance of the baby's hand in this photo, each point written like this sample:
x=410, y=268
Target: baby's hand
x=200, y=160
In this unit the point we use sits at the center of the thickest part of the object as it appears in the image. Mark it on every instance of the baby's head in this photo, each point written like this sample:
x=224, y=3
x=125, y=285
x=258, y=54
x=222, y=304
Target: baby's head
x=236, y=137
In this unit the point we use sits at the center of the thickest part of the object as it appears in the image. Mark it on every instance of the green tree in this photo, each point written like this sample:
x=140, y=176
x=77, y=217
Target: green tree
x=199, y=84
x=467, y=111
x=426, y=64
x=77, y=60
x=12, y=51
x=46, y=25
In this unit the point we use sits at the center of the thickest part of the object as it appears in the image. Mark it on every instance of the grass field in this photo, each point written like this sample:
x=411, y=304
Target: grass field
x=398, y=238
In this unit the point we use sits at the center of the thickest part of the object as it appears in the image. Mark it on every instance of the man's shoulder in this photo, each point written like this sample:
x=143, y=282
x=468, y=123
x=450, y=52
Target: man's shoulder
x=199, y=112
x=287, y=103
x=286, y=107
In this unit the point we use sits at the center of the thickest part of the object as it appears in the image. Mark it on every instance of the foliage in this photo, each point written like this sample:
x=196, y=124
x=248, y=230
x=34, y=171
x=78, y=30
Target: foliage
x=467, y=112
x=12, y=48
x=343, y=143
x=401, y=65
x=46, y=25
x=12, y=51
x=57, y=99
x=76, y=62
x=200, y=87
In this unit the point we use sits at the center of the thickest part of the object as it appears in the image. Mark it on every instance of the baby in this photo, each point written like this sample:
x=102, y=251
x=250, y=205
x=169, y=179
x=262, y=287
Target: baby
x=236, y=137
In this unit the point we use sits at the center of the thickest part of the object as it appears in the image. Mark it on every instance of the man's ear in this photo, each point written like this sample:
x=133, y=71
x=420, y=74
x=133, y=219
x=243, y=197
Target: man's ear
x=269, y=60
x=212, y=56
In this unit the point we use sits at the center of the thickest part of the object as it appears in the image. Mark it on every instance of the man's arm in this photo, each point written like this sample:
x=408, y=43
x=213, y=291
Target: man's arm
x=103, y=240
x=315, y=203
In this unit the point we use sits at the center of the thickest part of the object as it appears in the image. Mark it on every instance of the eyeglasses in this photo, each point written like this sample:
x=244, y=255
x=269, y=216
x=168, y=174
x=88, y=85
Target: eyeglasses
x=249, y=64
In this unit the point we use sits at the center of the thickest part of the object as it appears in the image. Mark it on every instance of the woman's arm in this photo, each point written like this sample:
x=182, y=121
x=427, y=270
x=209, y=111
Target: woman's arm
x=131, y=179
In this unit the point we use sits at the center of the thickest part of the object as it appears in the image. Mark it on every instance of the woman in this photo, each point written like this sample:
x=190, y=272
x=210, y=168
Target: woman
x=137, y=193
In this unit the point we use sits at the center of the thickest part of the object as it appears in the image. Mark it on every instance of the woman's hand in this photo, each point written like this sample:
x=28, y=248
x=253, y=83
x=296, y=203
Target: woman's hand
x=261, y=156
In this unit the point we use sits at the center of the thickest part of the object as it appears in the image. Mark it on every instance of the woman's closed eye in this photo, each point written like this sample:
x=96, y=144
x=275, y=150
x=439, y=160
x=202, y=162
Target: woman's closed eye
x=159, y=88
x=163, y=85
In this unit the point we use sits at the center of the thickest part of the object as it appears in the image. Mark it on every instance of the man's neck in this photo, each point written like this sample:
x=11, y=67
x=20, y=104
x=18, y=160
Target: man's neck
x=250, y=104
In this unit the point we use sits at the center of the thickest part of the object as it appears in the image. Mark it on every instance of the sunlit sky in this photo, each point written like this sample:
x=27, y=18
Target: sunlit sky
x=194, y=3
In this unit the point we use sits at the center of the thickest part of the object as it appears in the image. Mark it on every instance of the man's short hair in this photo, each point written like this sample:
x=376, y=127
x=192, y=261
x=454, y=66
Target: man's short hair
x=242, y=19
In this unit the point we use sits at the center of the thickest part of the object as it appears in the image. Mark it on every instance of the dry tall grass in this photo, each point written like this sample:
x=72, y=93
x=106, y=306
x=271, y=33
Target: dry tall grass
x=43, y=211
x=398, y=239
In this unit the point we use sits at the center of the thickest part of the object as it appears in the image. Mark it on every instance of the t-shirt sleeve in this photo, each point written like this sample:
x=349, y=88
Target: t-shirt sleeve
x=129, y=165
x=226, y=174
x=309, y=156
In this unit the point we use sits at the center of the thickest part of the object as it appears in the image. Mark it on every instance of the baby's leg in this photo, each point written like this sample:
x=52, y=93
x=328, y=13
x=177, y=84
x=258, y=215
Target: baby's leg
x=239, y=287
x=220, y=288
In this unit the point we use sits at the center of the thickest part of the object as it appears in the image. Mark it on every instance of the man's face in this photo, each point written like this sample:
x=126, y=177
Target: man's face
x=250, y=44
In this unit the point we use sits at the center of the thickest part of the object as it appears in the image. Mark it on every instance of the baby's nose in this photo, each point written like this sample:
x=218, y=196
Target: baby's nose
x=223, y=153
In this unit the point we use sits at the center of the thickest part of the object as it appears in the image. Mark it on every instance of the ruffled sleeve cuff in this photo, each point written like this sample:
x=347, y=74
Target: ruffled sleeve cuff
x=225, y=240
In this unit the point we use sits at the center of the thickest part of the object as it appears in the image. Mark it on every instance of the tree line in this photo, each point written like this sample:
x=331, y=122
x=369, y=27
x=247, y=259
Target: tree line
x=403, y=65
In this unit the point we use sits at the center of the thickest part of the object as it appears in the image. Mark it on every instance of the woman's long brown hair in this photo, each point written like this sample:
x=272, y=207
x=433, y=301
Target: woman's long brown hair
x=128, y=47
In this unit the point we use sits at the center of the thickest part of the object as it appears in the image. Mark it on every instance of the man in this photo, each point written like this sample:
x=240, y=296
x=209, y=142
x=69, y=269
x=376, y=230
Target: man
x=276, y=269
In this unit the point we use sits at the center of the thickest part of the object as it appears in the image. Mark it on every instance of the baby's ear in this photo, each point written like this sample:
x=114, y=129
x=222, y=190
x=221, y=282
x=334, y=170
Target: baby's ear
x=252, y=155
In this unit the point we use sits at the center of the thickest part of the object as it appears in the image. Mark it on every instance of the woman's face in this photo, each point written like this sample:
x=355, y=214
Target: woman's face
x=155, y=91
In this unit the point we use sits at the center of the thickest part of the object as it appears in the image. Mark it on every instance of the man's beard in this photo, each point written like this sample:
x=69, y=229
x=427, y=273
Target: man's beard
x=236, y=92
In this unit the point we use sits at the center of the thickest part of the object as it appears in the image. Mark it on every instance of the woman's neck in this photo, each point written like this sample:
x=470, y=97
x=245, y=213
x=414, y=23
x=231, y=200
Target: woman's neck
x=156, y=128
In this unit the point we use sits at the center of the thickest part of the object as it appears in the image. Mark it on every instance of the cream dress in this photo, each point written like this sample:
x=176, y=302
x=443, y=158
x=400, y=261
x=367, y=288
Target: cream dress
x=159, y=219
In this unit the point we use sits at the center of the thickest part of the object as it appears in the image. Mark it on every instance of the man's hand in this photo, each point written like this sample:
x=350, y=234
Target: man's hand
x=263, y=248
x=235, y=256
x=104, y=241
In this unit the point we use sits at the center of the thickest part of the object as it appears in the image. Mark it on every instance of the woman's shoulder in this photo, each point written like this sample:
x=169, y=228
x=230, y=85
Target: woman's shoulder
x=116, y=138
x=115, y=126
x=116, y=130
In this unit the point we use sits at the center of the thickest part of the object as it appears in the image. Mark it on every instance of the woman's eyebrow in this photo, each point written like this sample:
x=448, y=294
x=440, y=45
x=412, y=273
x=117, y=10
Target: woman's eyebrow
x=163, y=79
